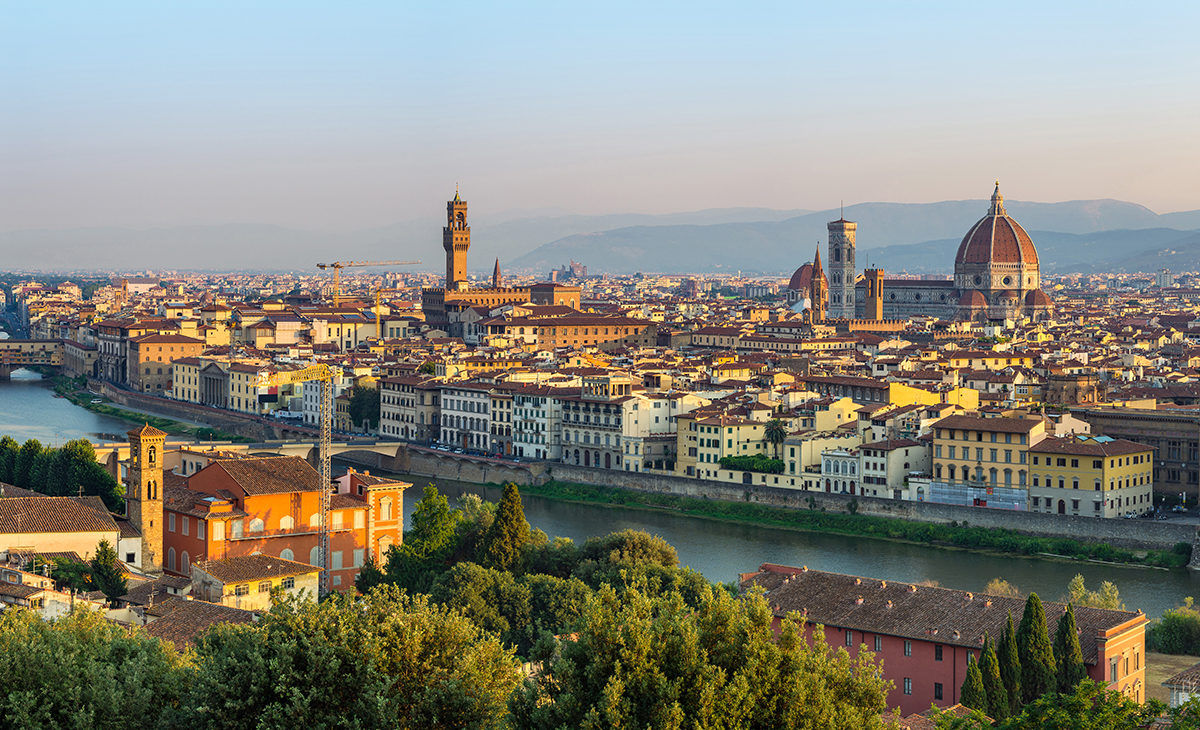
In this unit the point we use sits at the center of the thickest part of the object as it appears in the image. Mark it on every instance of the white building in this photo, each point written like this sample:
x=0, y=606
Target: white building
x=465, y=415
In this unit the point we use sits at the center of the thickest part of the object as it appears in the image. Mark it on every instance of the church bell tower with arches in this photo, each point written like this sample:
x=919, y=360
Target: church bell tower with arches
x=842, y=271
x=143, y=493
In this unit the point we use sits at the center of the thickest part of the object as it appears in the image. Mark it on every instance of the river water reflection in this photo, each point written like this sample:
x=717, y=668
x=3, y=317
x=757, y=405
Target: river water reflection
x=721, y=550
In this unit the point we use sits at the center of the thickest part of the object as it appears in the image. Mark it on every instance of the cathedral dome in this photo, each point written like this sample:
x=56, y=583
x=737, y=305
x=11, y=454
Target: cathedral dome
x=973, y=299
x=997, y=239
x=802, y=279
x=1038, y=298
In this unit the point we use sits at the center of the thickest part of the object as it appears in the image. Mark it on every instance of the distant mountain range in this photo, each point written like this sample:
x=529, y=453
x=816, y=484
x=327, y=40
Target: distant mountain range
x=1090, y=233
x=1084, y=236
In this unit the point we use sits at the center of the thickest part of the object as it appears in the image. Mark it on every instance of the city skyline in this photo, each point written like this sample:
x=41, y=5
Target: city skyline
x=146, y=116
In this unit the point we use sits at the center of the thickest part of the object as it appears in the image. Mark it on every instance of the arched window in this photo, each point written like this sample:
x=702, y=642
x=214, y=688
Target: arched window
x=256, y=525
x=185, y=564
x=287, y=554
x=170, y=558
x=287, y=523
x=152, y=453
x=314, y=556
x=315, y=520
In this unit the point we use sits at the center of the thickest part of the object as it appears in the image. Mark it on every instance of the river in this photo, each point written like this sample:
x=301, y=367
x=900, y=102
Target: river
x=719, y=550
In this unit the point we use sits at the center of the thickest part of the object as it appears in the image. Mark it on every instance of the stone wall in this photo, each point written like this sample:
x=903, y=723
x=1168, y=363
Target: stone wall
x=1133, y=534
x=253, y=427
x=456, y=467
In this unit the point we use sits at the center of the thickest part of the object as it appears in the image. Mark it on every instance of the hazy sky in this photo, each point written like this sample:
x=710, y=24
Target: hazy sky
x=354, y=115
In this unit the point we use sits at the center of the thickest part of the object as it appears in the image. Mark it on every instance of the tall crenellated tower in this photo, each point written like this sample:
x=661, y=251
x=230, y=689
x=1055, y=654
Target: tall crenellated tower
x=874, y=296
x=841, y=268
x=143, y=493
x=456, y=239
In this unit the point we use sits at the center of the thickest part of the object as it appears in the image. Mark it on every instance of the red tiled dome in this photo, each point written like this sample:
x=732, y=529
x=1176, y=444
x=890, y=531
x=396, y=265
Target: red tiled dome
x=973, y=298
x=996, y=238
x=1009, y=295
x=802, y=279
x=1038, y=298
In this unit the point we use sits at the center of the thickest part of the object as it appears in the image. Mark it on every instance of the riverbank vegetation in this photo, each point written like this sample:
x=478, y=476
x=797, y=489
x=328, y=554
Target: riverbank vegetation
x=68, y=471
x=615, y=634
x=959, y=535
x=75, y=390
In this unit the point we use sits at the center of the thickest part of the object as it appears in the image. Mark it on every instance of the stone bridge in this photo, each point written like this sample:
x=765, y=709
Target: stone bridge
x=404, y=458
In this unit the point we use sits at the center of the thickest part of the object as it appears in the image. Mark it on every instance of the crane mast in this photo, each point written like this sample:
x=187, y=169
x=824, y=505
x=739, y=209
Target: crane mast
x=325, y=375
x=337, y=267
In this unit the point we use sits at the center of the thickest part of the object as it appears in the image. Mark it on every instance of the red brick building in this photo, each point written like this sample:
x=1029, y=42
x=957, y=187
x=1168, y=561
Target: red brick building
x=271, y=505
x=924, y=635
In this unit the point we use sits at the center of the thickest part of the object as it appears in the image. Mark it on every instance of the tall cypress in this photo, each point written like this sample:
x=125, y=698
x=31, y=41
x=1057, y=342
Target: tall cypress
x=1067, y=654
x=973, y=694
x=997, y=696
x=509, y=534
x=1034, y=651
x=1010, y=667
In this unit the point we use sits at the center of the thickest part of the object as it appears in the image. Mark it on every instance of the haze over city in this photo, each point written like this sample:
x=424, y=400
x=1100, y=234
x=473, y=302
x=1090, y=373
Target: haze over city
x=327, y=119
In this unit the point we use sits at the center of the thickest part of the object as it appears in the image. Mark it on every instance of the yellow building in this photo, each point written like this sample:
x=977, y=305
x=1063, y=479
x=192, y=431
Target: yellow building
x=1091, y=476
x=992, y=452
x=722, y=436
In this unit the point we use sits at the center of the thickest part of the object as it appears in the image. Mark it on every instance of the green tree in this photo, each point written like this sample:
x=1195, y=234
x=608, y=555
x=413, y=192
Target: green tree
x=654, y=662
x=1107, y=597
x=998, y=706
x=1033, y=648
x=1068, y=657
x=428, y=547
x=972, y=694
x=81, y=671
x=106, y=572
x=775, y=433
x=25, y=461
x=1177, y=632
x=1001, y=587
x=427, y=368
x=1089, y=707
x=1010, y=666
x=386, y=659
x=364, y=407
x=8, y=459
x=509, y=534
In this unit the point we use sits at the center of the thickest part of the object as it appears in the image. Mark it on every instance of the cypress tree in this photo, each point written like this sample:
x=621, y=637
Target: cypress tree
x=1068, y=656
x=997, y=696
x=1034, y=651
x=8, y=459
x=509, y=533
x=1010, y=667
x=972, y=694
x=106, y=573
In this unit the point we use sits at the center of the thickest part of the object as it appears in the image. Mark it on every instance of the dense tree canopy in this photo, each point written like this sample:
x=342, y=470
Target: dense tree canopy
x=643, y=661
x=385, y=660
x=83, y=671
x=64, y=472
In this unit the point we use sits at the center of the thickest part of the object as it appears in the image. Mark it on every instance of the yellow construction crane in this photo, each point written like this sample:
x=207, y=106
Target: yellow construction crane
x=337, y=267
x=378, y=319
x=325, y=375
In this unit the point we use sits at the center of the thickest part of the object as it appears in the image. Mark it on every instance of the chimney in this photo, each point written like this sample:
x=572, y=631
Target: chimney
x=858, y=601
x=858, y=581
x=804, y=569
x=970, y=596
x=912, y=589
x=889, y=605
x=883, y=584
x=987, y=603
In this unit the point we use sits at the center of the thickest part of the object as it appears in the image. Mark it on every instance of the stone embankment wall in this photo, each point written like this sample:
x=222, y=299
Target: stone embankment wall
x=1132, y=534
x=419, y=461
x=253, y=427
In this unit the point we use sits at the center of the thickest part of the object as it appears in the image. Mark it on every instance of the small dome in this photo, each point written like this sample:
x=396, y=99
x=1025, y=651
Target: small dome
x=1038, y=298
x=1009, y=295
x=802, y=279
x=973, y=299
x=996, y=238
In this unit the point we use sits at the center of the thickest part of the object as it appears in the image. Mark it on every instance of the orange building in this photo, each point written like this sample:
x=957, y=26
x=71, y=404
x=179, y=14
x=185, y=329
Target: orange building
x=272, y=506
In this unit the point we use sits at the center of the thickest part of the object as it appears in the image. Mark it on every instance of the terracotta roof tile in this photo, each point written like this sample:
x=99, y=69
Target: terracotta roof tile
x=272, y=475
x=51, y=514
x=182, y=620
x=245, y=568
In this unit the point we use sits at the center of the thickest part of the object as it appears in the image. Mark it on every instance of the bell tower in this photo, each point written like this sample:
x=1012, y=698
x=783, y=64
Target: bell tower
x=842, y=271
x=456, y=239
x=143, y=493
x=816, y=289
